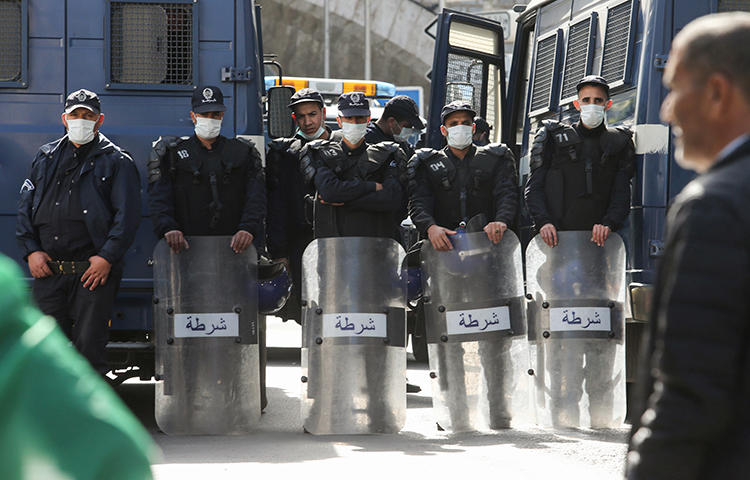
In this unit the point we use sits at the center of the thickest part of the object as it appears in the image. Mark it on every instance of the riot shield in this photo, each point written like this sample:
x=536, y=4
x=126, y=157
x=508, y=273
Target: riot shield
x=576, y=330
x=475, y=317
x=353, y=336
x=206, y=335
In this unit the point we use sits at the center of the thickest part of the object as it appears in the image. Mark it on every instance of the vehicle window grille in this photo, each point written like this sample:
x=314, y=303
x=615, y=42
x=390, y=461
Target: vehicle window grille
x=543, y=73
x=576, y=57
x=614, y=58
x=11, y=28
x=464, y=80
x=732, y=5
x=151, y=43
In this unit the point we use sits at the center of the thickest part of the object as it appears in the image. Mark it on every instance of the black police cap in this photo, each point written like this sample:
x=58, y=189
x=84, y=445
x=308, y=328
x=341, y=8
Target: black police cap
x=306, y=95
x=207, y=98
x=404, y=107
x=83, y=99
x=456, y=106
x=594, y=80
x=353, y=104
x=482, y=125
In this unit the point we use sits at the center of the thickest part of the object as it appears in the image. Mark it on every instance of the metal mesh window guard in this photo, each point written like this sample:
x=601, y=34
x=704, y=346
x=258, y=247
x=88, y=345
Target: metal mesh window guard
x=464, y=80
x=11, y=42
x=543, y=73
x=614, y=58
x=576, y=57
x=151, y=43
x=732, y=5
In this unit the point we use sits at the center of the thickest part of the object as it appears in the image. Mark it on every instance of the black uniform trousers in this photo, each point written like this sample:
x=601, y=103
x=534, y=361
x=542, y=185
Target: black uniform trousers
x=82, y=314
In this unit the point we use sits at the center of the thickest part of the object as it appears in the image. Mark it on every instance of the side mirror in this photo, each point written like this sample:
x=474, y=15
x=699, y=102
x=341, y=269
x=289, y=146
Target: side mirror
x=280, y=122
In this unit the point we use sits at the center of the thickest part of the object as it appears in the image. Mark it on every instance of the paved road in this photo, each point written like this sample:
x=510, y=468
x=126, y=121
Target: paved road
x=280, y=447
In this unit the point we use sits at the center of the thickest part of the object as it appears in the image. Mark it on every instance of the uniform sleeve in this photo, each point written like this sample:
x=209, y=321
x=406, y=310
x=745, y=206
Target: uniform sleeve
x=421, y=201
x=254, y=210
x=26, y=234
x=386, y=200
x=536, y=200
x=334, y=190
x=505, y=190
x=125, y=199
x=278, y=204
x=161, y=194
x=701, y=338
x=619, y=202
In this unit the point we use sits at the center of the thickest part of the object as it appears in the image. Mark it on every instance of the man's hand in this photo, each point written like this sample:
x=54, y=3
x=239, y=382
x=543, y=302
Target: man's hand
x=176, y=241
x=241, y=240
x=495, y=230
x=439, y=238
x=549, y=234
x=599, y=234
x=378, y=186
x=97, y=272
x=38, y=264
x=333, y=204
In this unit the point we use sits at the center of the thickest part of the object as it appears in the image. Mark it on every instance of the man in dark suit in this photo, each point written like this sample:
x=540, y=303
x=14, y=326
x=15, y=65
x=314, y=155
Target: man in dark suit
x=693, y=420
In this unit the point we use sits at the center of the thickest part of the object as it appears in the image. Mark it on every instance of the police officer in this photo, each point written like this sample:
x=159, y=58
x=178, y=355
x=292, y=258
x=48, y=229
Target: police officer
x=481, y=132
x=358, y=187
x=448, y=187
x=580, y=174
x=77, y=216
x=399, y=121
x=289, y=226
x=208, y=184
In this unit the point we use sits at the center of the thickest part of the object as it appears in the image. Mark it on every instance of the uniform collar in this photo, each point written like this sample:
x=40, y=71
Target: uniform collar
x=214, y=146
x=590, y=132
x=733, y=149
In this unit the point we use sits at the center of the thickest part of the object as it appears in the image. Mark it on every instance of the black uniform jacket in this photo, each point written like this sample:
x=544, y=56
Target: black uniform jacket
x=183, y=198
x=109, y=192
x=487, y=176
x=695, y=385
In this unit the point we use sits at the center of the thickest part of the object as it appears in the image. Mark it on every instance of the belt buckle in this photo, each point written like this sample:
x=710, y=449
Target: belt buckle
x=60, y=267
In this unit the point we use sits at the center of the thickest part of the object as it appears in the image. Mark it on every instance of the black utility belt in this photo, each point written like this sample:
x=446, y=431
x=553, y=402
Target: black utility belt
x=62, y=267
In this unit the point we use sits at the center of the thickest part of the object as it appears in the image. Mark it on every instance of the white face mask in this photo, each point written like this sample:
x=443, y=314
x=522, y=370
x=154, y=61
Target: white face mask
x=207, y=128
x=460, y=136
x=80, y=131
x=592, y=115
x=353, y=132
x=315, y=135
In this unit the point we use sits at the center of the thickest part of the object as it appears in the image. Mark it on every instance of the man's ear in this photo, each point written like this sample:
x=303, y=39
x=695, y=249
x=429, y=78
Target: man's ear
x=64, y=121
x=577, y=105
x=192, y=117
x=99, y=122
x=443, y=130
x=608, y=105
x=473, y=128
x=338, y=120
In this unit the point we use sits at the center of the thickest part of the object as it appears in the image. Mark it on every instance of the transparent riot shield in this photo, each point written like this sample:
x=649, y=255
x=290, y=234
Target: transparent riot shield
x=475, y=317
x=353, y=336
x=206, y=335
x=576, y=330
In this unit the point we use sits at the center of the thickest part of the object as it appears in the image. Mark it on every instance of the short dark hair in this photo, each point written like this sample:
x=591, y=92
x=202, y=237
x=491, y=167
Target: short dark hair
x=718, y=43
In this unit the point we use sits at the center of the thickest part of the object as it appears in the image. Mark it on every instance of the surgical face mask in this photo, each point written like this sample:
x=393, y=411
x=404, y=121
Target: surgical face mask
x=80, y=131
x=207, y=128
x=315, y=135
x=353, y=132
x=459, y=136
x=404, y=134
x=592, y=115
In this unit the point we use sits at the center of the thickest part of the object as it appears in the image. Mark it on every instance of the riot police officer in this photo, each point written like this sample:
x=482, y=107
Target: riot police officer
x=77, y=216
x=288, y=227
x=400, y=120
x=208, y=184
x=580, y=173
x=448, y=187
x=358, y=186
